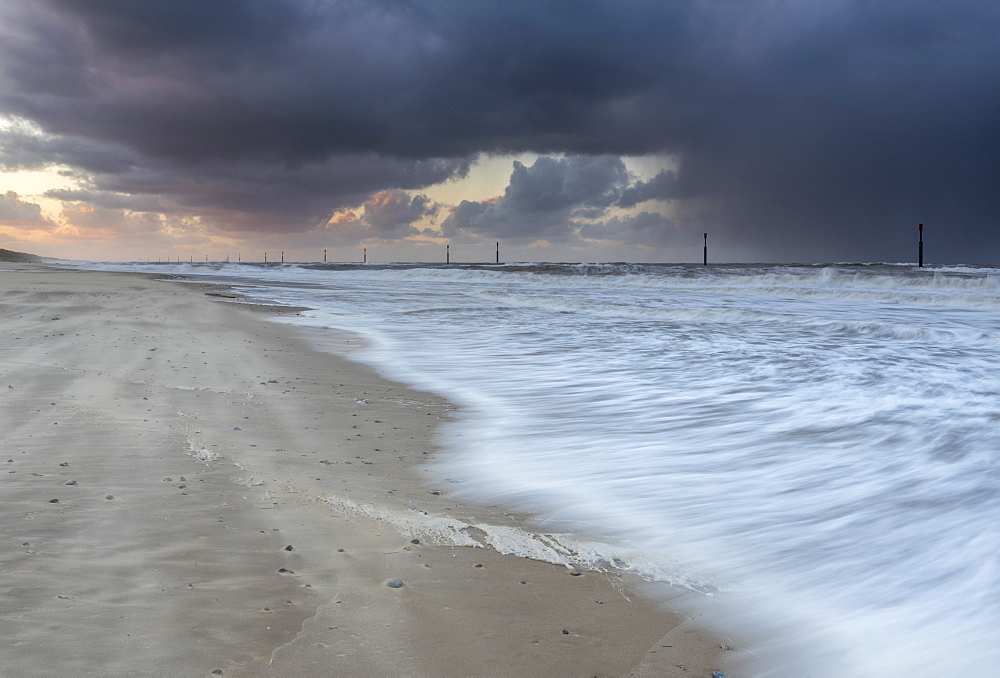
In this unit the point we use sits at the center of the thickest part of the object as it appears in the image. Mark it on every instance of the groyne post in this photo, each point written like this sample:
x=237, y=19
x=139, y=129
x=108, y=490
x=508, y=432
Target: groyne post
x=447, y=254
x=365, y=260
x=324, y=256
x=265, y=257
x=498, y=253
x=920, y=246
x=704, y=252
x=282, y=257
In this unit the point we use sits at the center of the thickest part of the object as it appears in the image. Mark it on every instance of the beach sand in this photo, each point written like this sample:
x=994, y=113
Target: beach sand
x=163, y=448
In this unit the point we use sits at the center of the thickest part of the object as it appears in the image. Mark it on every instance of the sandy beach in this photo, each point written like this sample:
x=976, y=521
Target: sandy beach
x=190, y=489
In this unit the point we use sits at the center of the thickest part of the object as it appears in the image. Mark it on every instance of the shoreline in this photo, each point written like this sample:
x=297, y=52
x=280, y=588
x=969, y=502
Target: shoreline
x=146, y=376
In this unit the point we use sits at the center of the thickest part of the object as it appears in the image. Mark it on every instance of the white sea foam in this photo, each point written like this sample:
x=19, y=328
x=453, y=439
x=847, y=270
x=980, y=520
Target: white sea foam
x=818, y=443
x=199, y=451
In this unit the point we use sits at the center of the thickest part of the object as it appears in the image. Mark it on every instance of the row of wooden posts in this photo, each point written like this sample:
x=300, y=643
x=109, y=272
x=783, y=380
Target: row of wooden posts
x=447, y=252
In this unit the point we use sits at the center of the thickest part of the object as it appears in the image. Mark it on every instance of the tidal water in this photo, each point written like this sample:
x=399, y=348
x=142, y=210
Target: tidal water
x=815, y=447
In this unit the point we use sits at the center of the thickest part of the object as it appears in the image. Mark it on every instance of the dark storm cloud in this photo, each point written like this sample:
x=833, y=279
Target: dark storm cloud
x=235, y=195
x=802, y=130
x=647, y=229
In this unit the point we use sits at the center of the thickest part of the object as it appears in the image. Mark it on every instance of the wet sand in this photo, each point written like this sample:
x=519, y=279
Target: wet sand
x=190, y=489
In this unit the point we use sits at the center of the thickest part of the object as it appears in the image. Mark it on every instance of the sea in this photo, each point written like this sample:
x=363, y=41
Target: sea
x=812, y=450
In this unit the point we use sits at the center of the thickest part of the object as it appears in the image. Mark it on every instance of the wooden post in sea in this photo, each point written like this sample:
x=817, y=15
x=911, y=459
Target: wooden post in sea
x=447, y=254
x=324, y=256
x=366, y=256
x=704, y=260
x=265, y=257
x=282, y=256
x=498, y=253
x=920, y=246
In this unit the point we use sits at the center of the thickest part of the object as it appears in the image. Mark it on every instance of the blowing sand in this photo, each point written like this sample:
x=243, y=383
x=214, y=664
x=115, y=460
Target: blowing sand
x=188, y=489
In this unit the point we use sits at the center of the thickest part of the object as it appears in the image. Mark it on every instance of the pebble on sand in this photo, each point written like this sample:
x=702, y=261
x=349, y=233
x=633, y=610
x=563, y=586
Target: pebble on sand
x=70, y=482
x=395, y=584
x=53, y=501
x=288, y=548
x=285, y=570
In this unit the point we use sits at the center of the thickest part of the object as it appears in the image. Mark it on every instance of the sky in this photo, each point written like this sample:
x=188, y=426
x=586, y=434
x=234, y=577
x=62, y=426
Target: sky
x=567, y=130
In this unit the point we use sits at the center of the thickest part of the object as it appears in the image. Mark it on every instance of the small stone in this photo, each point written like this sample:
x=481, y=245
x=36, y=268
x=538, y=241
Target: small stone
x=70, y=482
x=599, y=602
x=53, y=501
x=718, y=674
x=288, y=548
x=285, y=570
x=395, y=584
x=523, y=582
x=237, y=428
x=109, y=496
x=217, y=672
x=575, y=572
x=62, y=463
x=436, y=492
x=414, y=541
x=565, y=632
x=183, y=479
x=340, y=550
x=479, y=564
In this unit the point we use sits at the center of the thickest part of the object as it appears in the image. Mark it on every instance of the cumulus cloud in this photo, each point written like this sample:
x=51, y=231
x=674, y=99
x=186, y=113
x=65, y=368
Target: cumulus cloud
x=17, y=213
x=543, y=201
x=394, y=212
x=386, y=215
x=661, y=187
